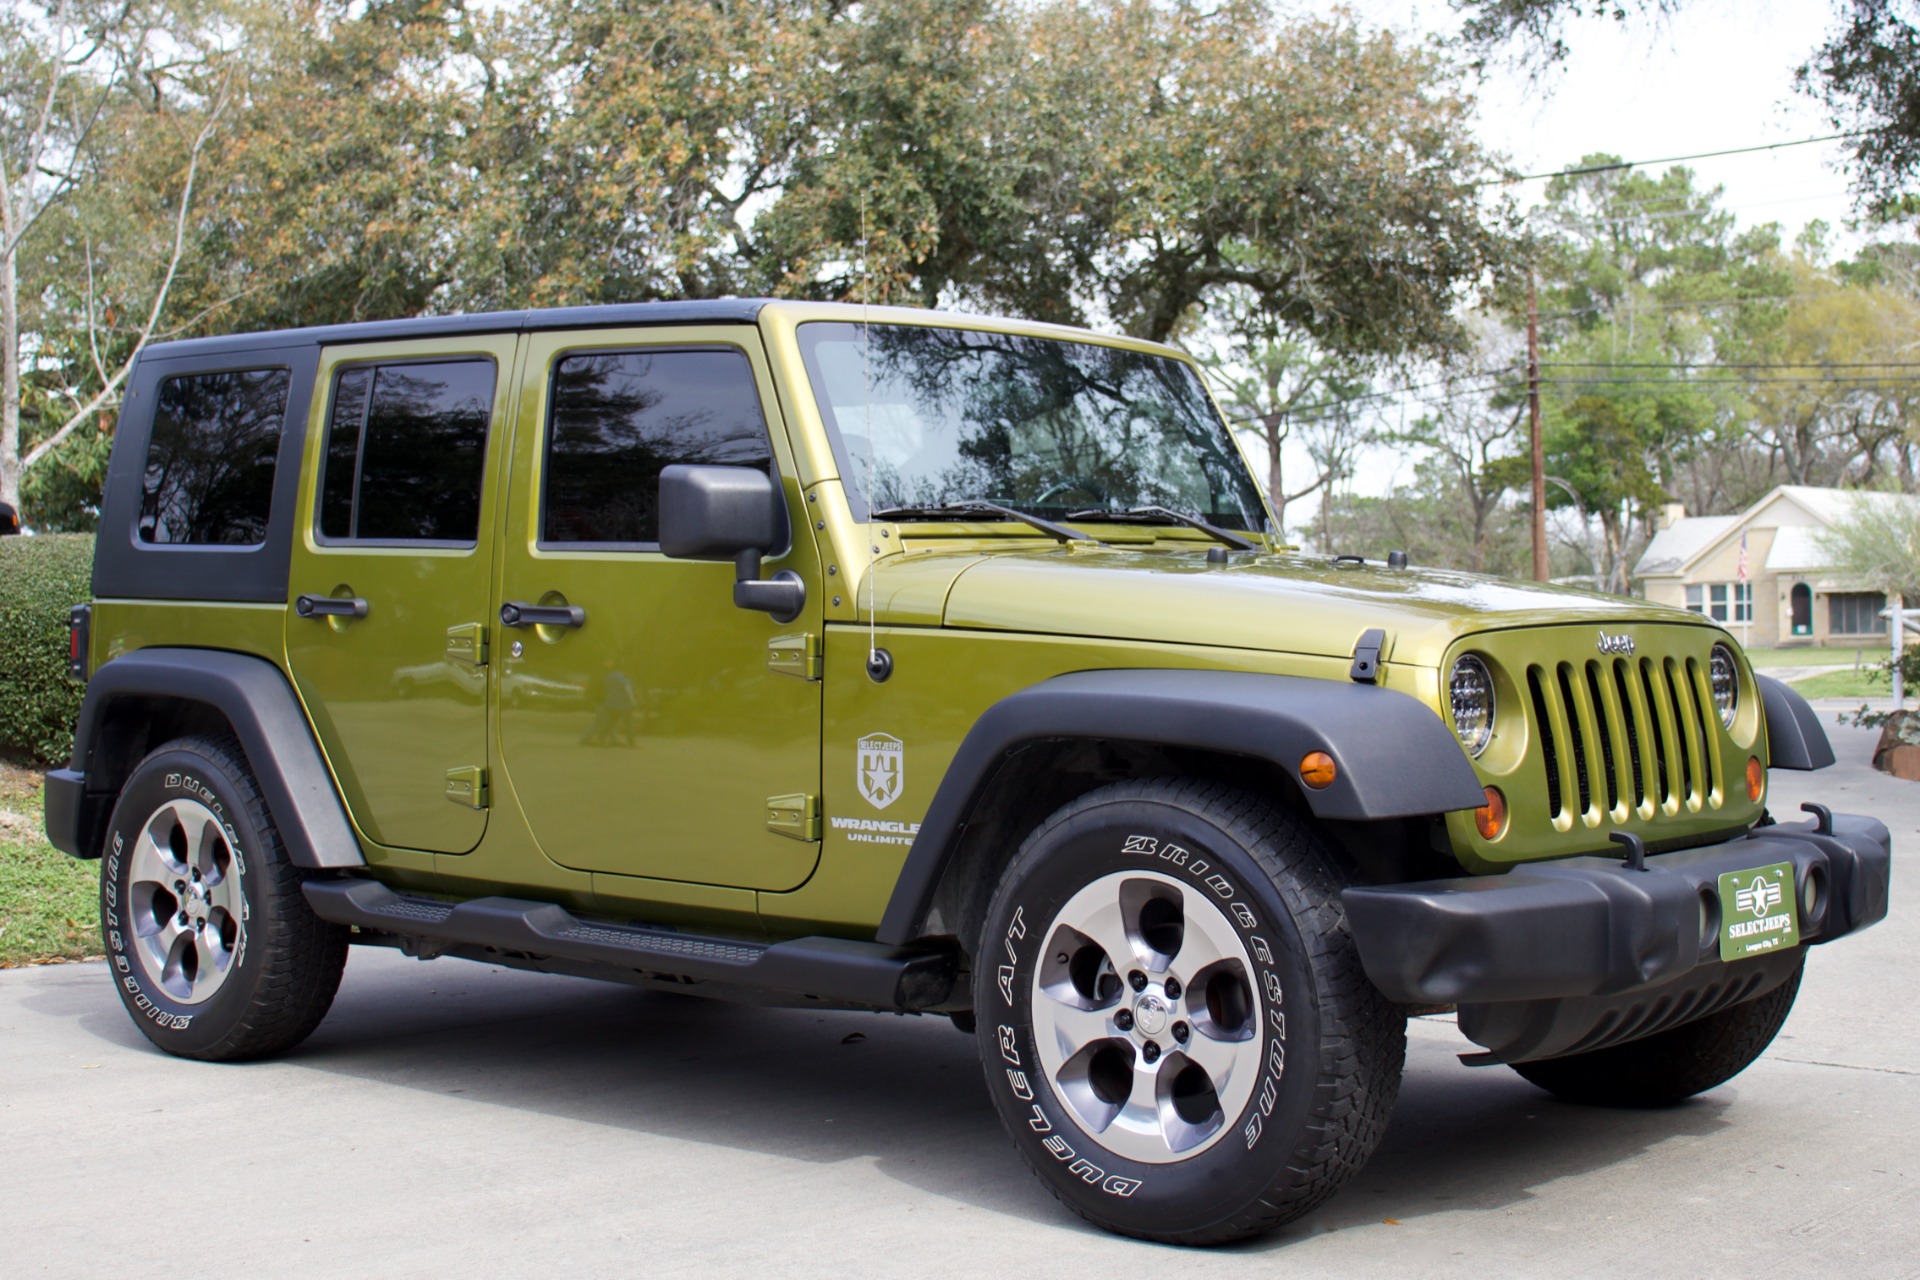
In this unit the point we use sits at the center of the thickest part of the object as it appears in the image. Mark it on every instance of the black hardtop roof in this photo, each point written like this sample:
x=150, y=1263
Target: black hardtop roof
x=617, y=315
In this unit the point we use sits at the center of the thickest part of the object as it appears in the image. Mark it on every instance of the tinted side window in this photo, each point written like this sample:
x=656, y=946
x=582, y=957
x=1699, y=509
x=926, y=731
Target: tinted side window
x=406, y=448
x=209, y=475
x=619, y=417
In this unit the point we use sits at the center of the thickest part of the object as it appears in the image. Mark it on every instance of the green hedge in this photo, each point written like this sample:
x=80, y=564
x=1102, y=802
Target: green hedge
x=40, y=579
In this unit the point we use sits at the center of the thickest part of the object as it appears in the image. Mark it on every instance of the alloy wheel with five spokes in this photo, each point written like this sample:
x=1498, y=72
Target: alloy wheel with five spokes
x=185, y=902
x=1144, y=1019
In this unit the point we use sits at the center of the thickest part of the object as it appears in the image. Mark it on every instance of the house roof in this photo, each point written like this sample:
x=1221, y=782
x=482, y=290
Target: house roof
x=1677, y=547
x=1796, y=548
x=1680, y=542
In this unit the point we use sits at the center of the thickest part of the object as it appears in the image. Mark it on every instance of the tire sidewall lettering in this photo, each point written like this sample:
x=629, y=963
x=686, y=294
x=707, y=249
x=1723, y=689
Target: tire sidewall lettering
x=1024, y=921
x=143, y=795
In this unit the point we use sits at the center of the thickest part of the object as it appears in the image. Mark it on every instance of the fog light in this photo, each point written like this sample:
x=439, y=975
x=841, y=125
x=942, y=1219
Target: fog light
x=1316, y=770
x=1491, y=817
x=1756, y=778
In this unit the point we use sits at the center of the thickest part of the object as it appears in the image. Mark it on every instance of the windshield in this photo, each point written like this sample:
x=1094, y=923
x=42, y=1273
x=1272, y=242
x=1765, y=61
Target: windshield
x=1045, y=426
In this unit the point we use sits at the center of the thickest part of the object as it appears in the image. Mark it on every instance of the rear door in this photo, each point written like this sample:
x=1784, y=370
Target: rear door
x=389, y=587
x=656, y=732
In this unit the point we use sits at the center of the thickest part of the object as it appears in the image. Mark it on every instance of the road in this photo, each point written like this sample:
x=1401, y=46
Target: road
x=450, y=1118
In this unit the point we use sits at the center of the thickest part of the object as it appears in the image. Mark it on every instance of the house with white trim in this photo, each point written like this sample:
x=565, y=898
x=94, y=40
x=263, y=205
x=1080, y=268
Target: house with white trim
x=1763, y=573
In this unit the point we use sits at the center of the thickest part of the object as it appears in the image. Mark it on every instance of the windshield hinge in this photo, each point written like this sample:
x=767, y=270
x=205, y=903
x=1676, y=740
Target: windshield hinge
x=1366, y=656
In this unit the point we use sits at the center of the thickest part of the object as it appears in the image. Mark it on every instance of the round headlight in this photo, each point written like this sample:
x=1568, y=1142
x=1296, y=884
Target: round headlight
x=1470, y=697
x=1724, y=674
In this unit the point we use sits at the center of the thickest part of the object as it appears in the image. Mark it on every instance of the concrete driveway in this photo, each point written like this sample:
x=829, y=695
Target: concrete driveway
x=454, y=1119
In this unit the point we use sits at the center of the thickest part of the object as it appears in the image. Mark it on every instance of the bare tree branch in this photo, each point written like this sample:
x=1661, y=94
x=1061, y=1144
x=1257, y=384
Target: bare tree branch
x=106, y=394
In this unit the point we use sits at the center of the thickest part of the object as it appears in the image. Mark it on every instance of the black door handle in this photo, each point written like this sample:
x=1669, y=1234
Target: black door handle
x=516, y=614
x=330, y=607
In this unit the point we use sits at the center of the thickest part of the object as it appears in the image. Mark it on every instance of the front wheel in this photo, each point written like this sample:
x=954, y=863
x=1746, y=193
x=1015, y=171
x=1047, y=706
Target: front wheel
x=1174, y=1023
x=1671, y=1066
x=214, y=950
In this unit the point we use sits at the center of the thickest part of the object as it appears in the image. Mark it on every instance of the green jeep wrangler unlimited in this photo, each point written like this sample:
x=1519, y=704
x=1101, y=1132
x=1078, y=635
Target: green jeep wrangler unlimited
x=900, y=661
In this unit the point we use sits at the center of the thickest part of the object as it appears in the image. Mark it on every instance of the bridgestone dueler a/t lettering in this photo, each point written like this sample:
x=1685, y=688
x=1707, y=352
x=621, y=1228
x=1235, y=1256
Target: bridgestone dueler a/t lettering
x=1322, y=1049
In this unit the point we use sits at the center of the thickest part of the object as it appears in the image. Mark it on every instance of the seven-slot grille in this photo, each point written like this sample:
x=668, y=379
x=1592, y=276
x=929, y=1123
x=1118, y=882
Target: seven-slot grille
x=1625, y=736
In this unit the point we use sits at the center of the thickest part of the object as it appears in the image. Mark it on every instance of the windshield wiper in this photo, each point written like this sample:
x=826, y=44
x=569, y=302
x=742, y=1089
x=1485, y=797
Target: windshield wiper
x=1147, y=515
x=974, y=506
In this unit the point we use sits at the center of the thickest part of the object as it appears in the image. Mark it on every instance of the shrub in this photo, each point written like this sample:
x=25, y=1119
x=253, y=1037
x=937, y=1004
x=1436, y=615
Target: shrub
x=40, y=579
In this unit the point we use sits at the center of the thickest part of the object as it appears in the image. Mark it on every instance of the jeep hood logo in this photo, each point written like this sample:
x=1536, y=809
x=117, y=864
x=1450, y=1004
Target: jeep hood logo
x=1621, y=644
x=881, y=769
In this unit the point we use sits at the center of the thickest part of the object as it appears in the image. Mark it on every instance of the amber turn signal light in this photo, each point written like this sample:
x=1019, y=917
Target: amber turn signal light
x=1317, y=771
x=1491, y=817
x=1756, y=778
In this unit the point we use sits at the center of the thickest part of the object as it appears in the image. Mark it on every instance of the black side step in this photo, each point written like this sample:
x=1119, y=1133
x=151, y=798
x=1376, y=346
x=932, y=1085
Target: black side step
x=832, y=969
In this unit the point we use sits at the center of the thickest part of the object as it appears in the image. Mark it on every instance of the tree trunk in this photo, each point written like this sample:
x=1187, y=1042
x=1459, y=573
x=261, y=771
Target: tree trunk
x=1276, y=491
x=9, y=360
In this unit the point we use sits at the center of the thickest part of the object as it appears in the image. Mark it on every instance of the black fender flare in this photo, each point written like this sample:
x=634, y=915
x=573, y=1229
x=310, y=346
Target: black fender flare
x=1795, y=738
x=266, y=716
x=1394, y=756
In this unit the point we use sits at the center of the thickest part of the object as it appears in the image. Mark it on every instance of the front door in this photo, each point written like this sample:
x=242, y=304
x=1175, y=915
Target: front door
x=387, y=624
x=641, y=724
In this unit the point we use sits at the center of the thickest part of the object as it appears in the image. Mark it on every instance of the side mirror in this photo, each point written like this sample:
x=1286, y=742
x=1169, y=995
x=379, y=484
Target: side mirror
x=730, y=513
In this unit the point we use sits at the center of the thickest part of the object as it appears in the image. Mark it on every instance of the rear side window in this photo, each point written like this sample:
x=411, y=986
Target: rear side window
x=210, y=458
x=619, y=417
x=406, y=449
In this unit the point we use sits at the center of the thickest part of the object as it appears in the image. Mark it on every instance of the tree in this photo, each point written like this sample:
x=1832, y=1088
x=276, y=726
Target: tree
x=1284, y=391
x=1646, y=283
x=331, y=160
x=1836, y=405
x=1328, y=173
x=1424, y=519
x=1474, y=438
x=1878, y=544
x=81, y=84
x=920, y=151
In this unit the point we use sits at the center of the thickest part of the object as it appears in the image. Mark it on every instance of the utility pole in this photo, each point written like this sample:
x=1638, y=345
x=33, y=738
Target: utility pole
x=1533, y=433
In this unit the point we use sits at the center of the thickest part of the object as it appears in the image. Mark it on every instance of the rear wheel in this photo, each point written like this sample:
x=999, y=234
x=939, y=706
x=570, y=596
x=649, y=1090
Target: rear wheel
x=1174, y=1023
x=214, y=950
x=1671, y=1066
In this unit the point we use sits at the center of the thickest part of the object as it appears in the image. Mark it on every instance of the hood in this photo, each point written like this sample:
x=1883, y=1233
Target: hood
x=1282, y=603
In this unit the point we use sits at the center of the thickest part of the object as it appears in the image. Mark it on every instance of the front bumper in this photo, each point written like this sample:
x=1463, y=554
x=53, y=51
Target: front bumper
x=1541, y=958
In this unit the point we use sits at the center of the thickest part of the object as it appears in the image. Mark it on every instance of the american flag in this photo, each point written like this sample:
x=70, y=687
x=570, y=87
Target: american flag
x=1740, y=574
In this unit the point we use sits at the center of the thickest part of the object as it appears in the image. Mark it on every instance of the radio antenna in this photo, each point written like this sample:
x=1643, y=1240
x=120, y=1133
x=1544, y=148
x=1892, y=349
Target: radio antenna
x=866, y=373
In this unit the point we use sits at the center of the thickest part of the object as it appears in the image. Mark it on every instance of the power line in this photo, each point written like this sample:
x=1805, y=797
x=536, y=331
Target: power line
x=1309, y=409
x=1698, y=155
x=1684, y=383
x=1718, y=364
x=1754, y=300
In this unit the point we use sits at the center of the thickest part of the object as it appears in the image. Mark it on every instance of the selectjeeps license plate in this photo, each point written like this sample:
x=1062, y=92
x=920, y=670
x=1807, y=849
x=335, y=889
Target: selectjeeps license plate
x=1757, y=911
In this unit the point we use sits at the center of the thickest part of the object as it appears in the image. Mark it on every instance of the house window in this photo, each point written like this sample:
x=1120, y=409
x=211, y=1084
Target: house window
x=1856, y=613
x=1722, y=601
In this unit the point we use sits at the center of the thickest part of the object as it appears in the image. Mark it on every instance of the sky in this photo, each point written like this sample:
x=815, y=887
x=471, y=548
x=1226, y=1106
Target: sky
x=1715, y=76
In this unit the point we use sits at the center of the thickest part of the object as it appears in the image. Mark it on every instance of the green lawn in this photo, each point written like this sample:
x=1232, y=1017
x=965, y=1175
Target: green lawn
x=1844, y=683
x=1805, y=656
x=49, y=908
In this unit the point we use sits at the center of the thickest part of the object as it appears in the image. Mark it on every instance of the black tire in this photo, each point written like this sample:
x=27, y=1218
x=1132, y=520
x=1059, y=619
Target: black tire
x=1669, y=1067
x=1314, y=1050
x=213, y=948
